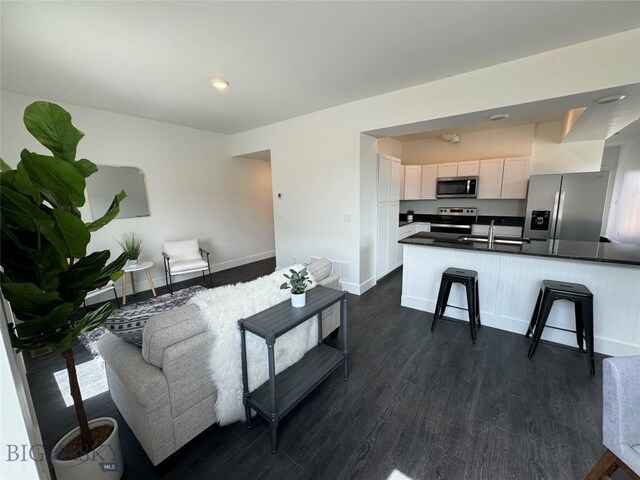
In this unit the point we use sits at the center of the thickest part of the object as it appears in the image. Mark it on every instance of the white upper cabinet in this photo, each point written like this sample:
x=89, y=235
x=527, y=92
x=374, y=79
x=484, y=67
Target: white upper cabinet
x=428, y=182
x=490, y=178
x=401, y=182
x=412, y=182
x=396, y=181
x=515, y=177
x=389, y=169
x=468, y=169
x=447, y=170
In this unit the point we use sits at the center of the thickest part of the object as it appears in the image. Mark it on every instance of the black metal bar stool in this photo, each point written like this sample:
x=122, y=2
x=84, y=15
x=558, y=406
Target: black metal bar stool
x=582, y=298
x=469, y=278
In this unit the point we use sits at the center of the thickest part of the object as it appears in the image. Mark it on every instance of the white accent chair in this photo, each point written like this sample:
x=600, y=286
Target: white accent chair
x=110, y=286
x=182, y=257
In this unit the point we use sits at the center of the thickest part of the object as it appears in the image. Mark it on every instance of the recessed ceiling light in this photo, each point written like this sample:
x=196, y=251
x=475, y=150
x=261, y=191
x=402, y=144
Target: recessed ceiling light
x=219, y=83
x=610, y=99
x=499, y=116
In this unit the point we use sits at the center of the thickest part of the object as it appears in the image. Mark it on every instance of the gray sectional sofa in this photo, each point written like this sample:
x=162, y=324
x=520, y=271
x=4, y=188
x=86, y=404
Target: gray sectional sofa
x=164, y=390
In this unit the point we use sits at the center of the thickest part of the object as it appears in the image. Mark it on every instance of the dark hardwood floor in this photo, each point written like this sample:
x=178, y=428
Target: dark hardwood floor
x=425, y=405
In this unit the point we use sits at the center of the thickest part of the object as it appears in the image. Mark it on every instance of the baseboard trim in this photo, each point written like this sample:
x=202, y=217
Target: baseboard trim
x=367, y=284
x=603, y=345
x=217, y=267
x=350, y=287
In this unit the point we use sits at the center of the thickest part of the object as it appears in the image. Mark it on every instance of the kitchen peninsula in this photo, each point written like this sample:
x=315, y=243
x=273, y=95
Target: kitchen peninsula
x=509, y=280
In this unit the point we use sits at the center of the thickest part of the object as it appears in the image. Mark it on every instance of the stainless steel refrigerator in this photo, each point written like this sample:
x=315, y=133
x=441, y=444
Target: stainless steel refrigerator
x=566, y=206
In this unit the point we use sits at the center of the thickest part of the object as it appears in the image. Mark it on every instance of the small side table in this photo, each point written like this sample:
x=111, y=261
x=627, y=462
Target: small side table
x=131, y=269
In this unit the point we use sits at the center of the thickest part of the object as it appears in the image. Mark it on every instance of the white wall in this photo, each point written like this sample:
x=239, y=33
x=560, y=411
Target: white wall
x=316, y=157
x=514, y=141
x=195, y=188
x=624, y=215
x=551, y=156
x=389, y=146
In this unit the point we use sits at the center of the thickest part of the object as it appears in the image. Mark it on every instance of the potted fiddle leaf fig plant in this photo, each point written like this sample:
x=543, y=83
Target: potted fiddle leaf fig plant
x=297, y=283
x=47, y=273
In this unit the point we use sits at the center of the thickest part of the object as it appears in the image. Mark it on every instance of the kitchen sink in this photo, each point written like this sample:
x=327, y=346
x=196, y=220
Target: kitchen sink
x=497, y=240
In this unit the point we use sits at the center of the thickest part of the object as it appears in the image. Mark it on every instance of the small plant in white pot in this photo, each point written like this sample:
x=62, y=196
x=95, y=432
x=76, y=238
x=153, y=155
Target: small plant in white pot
x=131, y=244
x=297, y=283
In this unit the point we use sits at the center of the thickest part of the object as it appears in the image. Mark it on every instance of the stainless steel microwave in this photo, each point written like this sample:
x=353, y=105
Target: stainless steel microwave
x=457, y=187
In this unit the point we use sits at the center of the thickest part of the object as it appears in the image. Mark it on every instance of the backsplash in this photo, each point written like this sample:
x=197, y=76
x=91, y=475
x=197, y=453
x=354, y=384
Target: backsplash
x=515, y=208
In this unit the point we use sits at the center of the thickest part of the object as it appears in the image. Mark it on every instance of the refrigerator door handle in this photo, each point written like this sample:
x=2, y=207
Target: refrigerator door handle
x=554, y=215
x=559, y=222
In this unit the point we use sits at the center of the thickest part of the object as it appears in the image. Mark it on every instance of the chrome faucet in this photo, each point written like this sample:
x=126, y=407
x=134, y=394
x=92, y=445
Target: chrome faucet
x=491, y=235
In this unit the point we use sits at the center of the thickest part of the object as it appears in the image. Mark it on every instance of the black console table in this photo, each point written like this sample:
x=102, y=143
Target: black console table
x=275, y=398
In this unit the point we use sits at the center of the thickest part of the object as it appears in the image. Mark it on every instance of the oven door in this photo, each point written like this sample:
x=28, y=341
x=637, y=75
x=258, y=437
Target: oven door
x=457, y=187
x=452, y=226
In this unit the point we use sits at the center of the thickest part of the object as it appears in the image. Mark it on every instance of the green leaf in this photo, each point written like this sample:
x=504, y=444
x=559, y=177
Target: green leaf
x=86, y=271
x=72, y=231
x=51, y=125
x=52, y=321
x=86, y=167
x=4, y=166
x=28, y=301
x=59, y=181
x=20, y=182
x=113, y=211
x=113, y=269
x=21, y=211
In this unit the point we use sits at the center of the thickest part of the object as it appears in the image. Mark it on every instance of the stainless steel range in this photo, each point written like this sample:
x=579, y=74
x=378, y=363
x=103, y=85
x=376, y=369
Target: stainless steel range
x=458, y=220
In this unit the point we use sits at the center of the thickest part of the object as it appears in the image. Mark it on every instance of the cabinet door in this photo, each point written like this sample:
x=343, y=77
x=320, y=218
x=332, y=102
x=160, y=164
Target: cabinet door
x=468, y=169
x=428, y=183
x=402, y=182
x=392, y=235
x=396, y=171
x=412, y=182
x=383, y=239
x=515, y=177
x=384, y=178
x=447, y=170
x=490, y=178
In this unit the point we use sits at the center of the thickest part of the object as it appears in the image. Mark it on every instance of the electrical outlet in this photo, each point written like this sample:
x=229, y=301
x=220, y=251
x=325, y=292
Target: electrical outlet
x=347, y=217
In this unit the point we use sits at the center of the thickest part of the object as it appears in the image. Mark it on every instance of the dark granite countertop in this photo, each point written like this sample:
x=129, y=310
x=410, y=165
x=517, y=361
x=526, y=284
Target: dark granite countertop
x=572, y=250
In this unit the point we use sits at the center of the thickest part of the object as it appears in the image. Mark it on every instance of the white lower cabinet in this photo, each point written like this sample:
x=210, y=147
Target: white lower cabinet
x=404, y=232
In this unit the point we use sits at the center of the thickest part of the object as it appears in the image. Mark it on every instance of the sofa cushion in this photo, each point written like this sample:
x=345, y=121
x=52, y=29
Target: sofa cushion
x=320, y=269
x=169, y=328
x=183, y=249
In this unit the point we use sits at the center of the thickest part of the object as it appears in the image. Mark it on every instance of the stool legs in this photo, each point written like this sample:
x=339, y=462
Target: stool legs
x=471, y=307
x=477, y=290
x=579, y=324
x=540, y=322
x=587, y=310
x=534, y=316
x=441, y=304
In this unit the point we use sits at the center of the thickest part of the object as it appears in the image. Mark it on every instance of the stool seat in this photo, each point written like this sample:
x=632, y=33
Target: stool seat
x=460, y=273
x=469, y=278
x=576, y=289
x=581, y=296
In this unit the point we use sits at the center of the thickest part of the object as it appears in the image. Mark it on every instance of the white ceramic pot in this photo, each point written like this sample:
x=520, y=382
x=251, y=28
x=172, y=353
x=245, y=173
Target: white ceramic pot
x=104, y=462
x=132, y=263
x=298, y=299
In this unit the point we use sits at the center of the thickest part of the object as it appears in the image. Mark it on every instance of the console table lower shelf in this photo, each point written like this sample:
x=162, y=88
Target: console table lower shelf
x=282, y=392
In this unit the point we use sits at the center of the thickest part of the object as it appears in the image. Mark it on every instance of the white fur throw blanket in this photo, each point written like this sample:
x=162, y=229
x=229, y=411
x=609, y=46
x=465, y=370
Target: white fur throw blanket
x=221, y=308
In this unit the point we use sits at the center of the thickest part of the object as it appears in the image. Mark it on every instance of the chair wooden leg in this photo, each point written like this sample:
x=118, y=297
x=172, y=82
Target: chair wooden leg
x=608, y=464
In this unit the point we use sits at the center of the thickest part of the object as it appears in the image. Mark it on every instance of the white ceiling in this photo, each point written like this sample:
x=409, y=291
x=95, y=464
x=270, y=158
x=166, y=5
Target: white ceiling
x=282, y=59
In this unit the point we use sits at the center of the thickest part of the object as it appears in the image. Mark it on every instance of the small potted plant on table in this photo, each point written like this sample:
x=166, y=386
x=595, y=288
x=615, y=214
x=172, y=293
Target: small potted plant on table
x=131, y=244
x=47, y=273
x=297, y=283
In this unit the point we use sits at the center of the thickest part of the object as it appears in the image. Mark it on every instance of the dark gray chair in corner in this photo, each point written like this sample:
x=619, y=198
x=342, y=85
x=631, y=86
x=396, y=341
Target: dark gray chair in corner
x=184, y=256
x=621, y=418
